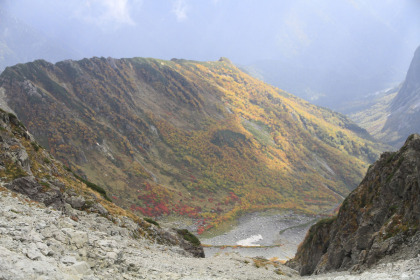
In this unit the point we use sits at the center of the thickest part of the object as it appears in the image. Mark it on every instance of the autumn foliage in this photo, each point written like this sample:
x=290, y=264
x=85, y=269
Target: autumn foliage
x=197, y=139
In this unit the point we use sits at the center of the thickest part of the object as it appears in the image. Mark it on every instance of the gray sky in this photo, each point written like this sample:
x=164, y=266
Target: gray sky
x=244, y=30
x=334, y=35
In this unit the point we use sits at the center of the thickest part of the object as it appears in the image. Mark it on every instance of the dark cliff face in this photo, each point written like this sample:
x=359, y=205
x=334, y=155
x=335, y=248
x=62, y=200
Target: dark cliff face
x=377, y=220
x=411, y=85
x=404, y=109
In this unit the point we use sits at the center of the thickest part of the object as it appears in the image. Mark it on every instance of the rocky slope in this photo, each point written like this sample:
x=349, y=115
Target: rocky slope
x=396, y=115
x=41, y=243
x=378, y=221
x=198, y=139
x=27, y=168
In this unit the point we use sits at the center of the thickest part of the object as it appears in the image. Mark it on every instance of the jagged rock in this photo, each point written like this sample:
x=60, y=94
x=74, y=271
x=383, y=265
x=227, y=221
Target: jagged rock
x=98, y=208
x=76, y=238
x=116, y=256
x=30, y=187
x=77, y=202
x=25, y=185
x=68, y=260
x=175, y=238
x=33, y=253
x=23, y=158
x=378, y=220
x=395, y=115
x=79, y=268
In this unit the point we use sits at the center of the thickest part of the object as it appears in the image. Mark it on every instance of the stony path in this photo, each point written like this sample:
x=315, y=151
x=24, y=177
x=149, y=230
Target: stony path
x=40, y=243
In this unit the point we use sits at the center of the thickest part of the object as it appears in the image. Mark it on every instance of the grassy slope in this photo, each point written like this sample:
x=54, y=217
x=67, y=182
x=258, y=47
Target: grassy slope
x=375, y=116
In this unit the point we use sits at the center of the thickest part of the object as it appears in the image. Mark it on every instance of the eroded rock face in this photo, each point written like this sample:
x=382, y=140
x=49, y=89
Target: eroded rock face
x=31, y=188
x=378, y=220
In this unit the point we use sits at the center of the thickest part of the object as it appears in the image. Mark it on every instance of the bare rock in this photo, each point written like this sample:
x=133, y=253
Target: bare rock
x=378, y=220
x=31, y=188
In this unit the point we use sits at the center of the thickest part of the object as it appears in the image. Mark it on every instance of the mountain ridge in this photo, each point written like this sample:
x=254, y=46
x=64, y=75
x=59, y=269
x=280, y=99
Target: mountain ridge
x=200, y=139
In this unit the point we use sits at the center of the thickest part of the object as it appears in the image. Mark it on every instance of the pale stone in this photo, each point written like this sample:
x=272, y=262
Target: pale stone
x=68, y=260
x=76, y=237
x=79, y=268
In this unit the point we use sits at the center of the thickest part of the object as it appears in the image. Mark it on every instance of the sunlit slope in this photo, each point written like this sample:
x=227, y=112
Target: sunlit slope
x=201, y=139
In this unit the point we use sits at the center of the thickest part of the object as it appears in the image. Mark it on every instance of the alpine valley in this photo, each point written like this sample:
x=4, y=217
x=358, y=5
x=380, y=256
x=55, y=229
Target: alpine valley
x=184, y=138
x=393, y=114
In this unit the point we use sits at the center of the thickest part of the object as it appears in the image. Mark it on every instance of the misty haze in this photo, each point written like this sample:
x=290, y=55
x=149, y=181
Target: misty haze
x=327, y=52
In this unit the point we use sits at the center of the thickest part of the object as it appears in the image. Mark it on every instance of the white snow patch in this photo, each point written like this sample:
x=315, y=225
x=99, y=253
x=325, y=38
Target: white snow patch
x=250, y=241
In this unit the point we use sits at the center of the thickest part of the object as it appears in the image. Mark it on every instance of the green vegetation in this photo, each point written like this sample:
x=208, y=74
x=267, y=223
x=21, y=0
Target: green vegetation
x=45, y=184
x=151, y=221
x=262, y=262
x=326, y=221
x=316, y=231
x=393, y=208
x=94, y=187
x=35, y=146
x=189, y=236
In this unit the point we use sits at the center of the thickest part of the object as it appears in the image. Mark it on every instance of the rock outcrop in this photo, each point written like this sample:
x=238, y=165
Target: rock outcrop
x=378, y=221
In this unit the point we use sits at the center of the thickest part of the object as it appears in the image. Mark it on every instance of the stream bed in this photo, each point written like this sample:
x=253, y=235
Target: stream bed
x=262, y=234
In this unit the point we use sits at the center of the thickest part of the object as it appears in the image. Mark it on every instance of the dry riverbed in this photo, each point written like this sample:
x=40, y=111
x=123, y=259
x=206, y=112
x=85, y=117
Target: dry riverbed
x=266, y=234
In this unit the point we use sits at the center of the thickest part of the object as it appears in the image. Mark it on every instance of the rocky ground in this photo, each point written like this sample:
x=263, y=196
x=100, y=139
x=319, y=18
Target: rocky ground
x=404, y=269
x=37, y=242
x=40, y=243
x=285, y=229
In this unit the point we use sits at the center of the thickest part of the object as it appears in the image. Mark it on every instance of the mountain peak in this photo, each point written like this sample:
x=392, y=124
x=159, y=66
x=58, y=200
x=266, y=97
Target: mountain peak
x=225, y=59
x=395, y=113
x=410, y=90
